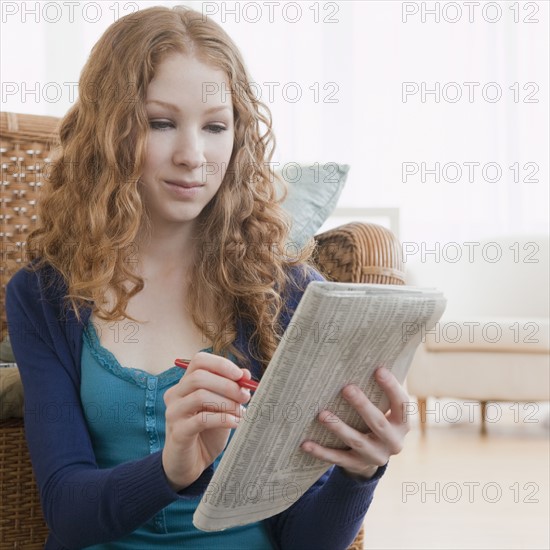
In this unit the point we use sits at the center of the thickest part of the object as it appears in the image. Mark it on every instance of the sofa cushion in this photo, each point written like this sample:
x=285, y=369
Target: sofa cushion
x=313, y=192
x=480, y=375
x=6, y=353
x=11, y=393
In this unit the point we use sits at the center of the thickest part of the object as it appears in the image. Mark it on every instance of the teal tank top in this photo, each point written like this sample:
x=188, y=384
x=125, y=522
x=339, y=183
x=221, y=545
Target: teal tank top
x=124, y=409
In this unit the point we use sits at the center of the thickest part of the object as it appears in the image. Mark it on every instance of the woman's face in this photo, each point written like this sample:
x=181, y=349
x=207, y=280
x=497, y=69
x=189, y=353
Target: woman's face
x=190, y=138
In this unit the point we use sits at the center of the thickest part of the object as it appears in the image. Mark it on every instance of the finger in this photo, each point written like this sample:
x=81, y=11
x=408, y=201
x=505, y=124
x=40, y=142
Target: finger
x=201, y=379
x=368, y=446
x=216, y=364
x=389, y=434
x=349, y=459
x=183, y=428
x=199, y=402
x=398, y=398
x=247, y=375
x=350, y=436
x=373, y=417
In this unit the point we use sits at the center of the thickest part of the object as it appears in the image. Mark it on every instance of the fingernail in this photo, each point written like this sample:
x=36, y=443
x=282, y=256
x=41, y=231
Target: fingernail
x=383, y=373
x=246, y=392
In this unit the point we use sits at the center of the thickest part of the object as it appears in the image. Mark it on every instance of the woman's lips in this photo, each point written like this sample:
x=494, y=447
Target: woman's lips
x=184, y=190
x=186, y=185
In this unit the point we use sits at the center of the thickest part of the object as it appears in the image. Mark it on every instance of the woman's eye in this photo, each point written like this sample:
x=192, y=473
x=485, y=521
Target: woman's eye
x=160, y=124
x=165, y=125
x=216, y=128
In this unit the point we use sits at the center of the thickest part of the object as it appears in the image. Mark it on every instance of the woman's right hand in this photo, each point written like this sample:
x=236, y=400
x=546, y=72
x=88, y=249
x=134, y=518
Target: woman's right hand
x=201, y=409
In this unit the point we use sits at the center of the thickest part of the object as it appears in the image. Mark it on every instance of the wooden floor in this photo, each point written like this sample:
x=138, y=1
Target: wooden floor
x=456, y=489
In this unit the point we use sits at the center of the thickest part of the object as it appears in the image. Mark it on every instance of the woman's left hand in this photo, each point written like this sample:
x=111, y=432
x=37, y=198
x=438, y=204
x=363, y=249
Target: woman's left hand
x=367, y=451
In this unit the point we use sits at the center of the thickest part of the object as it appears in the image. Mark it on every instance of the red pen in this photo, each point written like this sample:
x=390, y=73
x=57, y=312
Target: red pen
x=243, y=382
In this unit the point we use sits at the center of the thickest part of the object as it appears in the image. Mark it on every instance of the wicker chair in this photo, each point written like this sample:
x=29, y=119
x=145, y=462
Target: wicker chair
x=354, y=252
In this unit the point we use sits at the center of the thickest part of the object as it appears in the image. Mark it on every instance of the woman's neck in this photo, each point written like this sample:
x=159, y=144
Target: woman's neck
x=166, y=254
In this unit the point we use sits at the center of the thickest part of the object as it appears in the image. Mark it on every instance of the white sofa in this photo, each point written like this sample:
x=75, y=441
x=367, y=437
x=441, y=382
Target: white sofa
x=492, y=343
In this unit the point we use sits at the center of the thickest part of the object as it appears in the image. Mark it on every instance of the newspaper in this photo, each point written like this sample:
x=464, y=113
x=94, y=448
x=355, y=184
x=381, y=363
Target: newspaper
x=339, y=334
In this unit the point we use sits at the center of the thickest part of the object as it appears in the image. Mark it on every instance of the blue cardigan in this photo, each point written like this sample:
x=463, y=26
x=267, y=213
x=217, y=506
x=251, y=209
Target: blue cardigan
x=85, y=505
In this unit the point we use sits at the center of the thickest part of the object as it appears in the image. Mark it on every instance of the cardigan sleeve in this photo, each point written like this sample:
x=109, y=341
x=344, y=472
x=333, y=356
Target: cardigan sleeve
x=82, y=504
x=330, y=513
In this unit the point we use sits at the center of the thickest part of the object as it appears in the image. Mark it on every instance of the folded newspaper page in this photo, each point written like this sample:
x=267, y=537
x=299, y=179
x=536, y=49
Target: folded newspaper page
x=339, y=334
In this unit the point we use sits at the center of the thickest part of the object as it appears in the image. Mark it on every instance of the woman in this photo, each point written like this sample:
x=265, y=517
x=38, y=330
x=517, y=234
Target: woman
x=156, y=238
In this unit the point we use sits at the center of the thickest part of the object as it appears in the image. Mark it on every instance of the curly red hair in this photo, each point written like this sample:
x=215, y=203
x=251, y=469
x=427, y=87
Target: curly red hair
x=91, y=211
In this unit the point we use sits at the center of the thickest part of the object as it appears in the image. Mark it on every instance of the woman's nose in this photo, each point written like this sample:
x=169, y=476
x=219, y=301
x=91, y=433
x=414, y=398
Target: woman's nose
x=189, y=150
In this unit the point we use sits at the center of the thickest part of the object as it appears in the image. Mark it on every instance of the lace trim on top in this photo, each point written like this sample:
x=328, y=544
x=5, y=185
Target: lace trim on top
x=138, y=377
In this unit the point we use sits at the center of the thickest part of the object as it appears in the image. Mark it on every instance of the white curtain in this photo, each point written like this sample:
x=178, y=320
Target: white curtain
x=352, y=62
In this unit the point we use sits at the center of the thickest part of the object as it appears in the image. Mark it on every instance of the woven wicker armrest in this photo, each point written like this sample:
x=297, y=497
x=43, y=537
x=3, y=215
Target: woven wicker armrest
x=360, y=253
x=21, y=521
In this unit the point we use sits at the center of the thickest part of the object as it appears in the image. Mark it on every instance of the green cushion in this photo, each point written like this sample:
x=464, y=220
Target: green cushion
x=313, y=193
x=11, y=394
x=6, y=354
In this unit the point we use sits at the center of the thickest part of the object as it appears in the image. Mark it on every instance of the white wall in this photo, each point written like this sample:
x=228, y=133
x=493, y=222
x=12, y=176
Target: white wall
x=368, y=52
